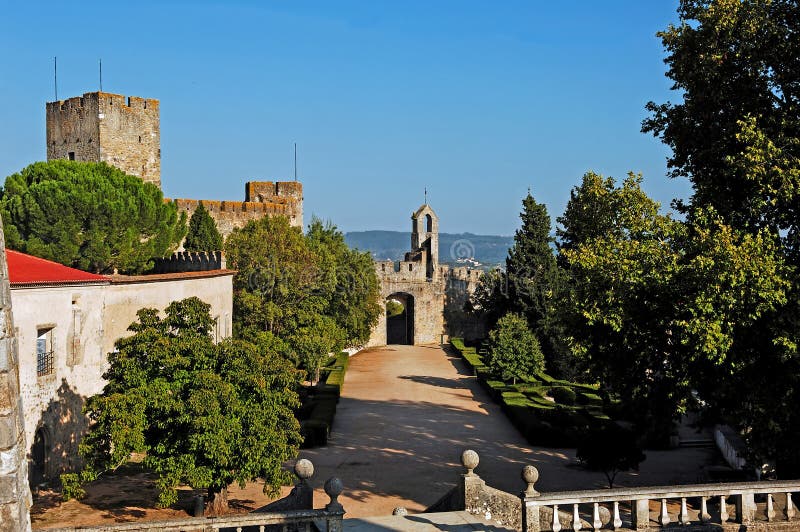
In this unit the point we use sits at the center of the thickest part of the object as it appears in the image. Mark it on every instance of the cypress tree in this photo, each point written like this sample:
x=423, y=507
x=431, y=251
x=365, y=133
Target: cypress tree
x=203, y=234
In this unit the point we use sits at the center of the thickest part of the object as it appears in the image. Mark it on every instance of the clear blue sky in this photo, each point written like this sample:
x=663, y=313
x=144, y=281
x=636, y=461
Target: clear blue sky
x=477, y=100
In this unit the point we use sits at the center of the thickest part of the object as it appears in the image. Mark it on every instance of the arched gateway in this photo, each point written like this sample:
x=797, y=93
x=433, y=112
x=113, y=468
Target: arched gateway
x=417, y=284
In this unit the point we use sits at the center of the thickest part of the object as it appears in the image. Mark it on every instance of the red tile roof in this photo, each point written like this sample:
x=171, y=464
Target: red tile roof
x=27, y=270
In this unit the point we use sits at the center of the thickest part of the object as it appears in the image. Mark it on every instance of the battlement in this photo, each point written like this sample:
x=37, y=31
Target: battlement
x=95, y=99
x=265, y=191
x=262, y=198
x=190, y=261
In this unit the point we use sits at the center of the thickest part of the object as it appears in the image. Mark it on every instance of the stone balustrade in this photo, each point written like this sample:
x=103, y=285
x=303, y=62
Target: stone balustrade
x=293, y=513
x=741, y=505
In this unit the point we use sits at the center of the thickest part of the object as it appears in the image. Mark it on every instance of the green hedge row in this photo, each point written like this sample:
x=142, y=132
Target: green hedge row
x=321, y=403
x=547, y=411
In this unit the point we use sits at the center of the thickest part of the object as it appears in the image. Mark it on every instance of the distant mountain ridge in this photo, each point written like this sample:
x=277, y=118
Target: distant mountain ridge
x=456, y=249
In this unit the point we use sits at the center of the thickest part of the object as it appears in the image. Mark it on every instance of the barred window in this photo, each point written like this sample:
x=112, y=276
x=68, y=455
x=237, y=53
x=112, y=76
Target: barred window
x=44, y=352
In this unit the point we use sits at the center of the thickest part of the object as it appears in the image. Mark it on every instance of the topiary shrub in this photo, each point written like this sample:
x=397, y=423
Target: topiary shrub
x=563, y=395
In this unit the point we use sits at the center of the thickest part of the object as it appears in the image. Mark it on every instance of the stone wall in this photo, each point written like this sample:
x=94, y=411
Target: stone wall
x=100, y=126
x=15, y=497
x=262, y=198
x=460, y=284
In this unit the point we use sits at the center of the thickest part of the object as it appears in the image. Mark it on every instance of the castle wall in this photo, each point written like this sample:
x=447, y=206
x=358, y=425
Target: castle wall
x=460, y=283
x=15, y=496
x=130, y=135
x=100, y=126
x=73, y=127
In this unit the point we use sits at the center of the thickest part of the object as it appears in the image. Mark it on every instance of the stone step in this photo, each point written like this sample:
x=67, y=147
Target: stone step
x=696, y=443
x=450, y=521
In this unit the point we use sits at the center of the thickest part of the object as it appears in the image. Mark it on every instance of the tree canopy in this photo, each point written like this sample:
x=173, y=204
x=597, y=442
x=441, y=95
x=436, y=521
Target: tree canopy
x=203, y=234
x=203, y=414
x=310, y=292
x=89, y=216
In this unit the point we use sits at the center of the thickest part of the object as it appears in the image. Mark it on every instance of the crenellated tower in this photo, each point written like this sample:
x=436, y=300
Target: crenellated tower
x=99, y=126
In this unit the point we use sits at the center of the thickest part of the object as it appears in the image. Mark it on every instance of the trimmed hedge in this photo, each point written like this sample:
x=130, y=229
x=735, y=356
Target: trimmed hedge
x=546, y=411
x=321, y=403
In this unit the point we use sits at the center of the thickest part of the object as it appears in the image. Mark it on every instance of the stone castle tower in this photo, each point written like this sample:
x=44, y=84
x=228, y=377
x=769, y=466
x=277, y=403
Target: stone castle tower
x=100, y=126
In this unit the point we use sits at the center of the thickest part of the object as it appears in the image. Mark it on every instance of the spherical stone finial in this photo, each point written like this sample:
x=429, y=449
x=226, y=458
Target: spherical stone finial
x=470, y=459
x=530, y=475
x=399, y=511
x=334, y=488
x=304, y=469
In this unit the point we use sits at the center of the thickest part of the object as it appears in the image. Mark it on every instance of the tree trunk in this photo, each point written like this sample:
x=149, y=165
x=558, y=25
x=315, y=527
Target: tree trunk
x=218, y=502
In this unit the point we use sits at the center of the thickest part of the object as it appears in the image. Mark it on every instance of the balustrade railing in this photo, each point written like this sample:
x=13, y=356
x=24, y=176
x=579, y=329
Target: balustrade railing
x=746, y=504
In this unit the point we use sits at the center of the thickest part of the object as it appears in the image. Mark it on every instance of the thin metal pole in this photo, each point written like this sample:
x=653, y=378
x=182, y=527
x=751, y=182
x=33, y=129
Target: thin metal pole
x=295, y=161
x=101, y=75
x=55, y=75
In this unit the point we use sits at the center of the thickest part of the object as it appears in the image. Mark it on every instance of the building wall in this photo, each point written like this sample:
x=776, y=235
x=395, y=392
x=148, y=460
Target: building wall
x=100, y=126
x=86, y=321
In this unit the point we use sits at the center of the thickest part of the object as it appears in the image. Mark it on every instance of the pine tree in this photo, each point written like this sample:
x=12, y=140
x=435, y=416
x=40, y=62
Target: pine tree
x=531, y=265
x=203, y=234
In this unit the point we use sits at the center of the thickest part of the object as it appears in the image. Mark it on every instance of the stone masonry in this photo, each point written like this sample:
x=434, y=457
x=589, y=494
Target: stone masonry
x=15, y=496
x=100, y=126
x=262, y=198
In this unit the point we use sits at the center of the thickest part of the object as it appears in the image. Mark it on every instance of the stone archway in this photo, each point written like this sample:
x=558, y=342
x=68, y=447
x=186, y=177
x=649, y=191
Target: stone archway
x=400, y=322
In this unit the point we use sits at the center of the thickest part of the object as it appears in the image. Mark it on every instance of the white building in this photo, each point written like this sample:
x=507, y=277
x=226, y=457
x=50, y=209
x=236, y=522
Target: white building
x=66, y=322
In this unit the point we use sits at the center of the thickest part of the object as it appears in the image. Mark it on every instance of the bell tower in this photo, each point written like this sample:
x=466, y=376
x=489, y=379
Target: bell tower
x=425, y=237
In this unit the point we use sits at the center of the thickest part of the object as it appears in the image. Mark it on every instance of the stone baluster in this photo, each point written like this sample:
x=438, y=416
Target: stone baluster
x=705, y=517
x=770, y=508
x=640, y=513
x=663, y=517
x=597, y=524
x=789, y=507
x=683, y=517
x=576, y=518
x=745, y=508
x=334, y=488
x=616, y=520
x=723, y=510
x=556, y=521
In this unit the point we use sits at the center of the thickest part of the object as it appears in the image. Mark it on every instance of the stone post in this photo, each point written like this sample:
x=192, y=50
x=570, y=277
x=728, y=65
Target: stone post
x=334, y=488
x=15, y=495
x=640, y=514
x=745, y=508
x=530, y=510
x=471, y=484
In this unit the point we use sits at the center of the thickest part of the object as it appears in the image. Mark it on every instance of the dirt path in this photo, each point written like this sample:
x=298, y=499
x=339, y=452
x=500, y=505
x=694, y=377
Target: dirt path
x=405, y=416
x=407, y=413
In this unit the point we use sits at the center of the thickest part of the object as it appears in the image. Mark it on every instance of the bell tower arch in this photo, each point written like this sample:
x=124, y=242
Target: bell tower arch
x=425, y=237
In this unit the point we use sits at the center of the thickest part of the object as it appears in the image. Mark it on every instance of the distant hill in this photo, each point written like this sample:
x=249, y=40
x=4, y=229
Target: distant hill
x=486, y=251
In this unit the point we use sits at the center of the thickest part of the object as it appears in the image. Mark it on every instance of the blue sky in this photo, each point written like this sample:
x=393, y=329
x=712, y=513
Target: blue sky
x=477, y=100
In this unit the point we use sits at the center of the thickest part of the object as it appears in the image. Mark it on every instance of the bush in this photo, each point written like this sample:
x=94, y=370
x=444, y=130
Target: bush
x=563, y=395
x=322, y=400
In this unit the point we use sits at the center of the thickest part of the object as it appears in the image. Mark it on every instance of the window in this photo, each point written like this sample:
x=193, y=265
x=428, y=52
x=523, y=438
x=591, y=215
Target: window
x=410, y=267
x=71, y=155
x=44, y=352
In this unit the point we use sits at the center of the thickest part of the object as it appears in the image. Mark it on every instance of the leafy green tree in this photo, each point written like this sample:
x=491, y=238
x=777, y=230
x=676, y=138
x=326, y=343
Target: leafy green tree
x=394, y=308
x=735, y=131
x=203, y=234
x=89, y=216
x=514, y=351
x=610, y=449
x=653, y=300
x=350, y=284
x=203, y=414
